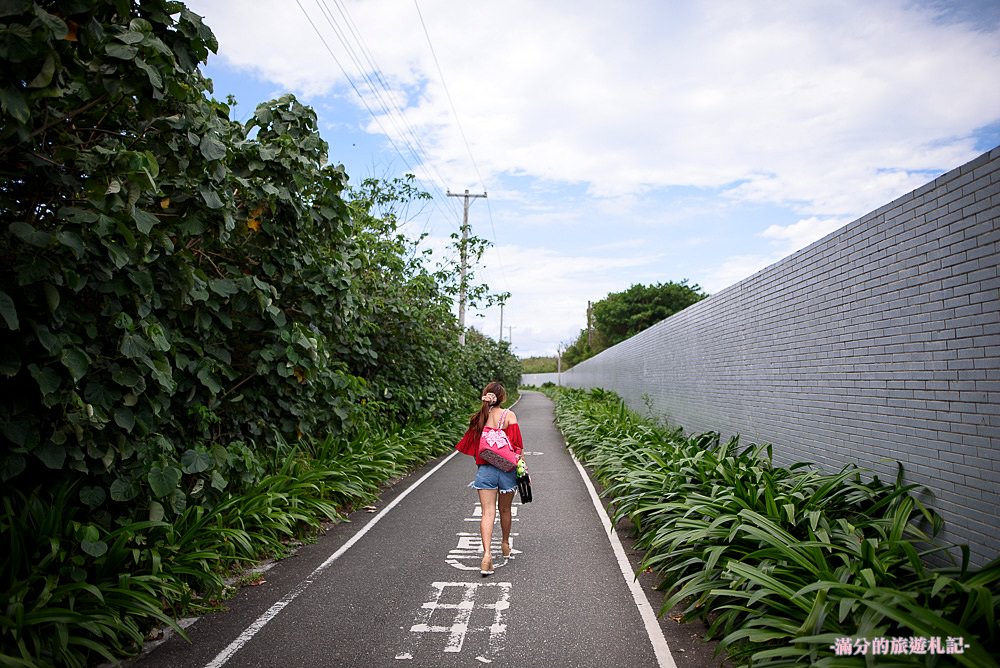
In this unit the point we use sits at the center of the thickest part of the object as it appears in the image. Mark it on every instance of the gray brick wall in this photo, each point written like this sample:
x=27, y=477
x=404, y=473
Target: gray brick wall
x=539, y=379
x=878, y=343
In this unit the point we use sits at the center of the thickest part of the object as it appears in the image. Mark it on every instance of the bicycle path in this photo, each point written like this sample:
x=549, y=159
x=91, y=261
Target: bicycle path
x=402, y=588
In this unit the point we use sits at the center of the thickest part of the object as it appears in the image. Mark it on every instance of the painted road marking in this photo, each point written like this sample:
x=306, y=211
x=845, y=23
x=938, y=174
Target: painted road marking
x=222, y=657
x=477, y=514
x=457, y=603
x=660, y=648
x=470, y=548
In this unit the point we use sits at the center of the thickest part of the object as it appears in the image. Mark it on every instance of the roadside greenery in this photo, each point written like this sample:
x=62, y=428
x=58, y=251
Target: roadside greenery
x=782, y=562
x=73, y=590
x=621, y=315
x=209, y=343
x=539, y=365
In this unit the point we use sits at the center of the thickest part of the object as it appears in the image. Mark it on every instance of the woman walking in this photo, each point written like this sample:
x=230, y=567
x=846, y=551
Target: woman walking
x=496, y=488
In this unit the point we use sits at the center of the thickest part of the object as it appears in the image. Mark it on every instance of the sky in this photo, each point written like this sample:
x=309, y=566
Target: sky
x=644, y=141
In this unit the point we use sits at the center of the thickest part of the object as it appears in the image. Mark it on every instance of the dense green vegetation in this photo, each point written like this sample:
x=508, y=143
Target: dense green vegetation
x=782, y=562
x=539, y=365
x=209, y=343
x=621, y=315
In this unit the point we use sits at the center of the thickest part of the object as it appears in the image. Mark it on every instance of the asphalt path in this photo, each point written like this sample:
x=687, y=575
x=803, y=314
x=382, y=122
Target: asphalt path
x=401, y=587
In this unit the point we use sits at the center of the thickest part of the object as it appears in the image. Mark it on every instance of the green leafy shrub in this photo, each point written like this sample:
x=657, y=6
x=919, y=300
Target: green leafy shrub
x=485, y=360
x=72, y=589
x=207, y=346
x=781, y=562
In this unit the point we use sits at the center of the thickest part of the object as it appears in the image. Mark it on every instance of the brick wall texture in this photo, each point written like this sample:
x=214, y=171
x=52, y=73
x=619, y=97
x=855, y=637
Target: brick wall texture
x=879, y=343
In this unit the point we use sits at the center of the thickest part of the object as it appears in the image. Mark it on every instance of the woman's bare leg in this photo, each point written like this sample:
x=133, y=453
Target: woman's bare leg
x=488, y=502
x=505, y=502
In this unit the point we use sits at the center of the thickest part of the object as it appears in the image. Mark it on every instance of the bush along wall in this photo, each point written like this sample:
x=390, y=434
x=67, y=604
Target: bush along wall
x=785, y=565
x=208, y=344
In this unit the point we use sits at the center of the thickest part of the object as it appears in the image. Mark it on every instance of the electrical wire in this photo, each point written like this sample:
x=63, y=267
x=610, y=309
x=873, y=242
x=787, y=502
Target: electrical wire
x=378, y=121
x=377, y=84
x=465, y=139
x=356, y=48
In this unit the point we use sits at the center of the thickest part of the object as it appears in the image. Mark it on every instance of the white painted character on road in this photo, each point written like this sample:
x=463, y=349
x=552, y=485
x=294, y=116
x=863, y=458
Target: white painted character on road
x=456, y=610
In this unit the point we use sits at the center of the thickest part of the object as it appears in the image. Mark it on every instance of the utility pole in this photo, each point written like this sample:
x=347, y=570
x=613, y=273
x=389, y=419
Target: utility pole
x=502, y=299
x=559, y=367
x=464, y=253
x=589, y=346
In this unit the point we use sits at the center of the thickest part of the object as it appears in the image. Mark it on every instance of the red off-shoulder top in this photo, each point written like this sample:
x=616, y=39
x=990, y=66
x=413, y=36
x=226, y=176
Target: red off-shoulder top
x=469, y=445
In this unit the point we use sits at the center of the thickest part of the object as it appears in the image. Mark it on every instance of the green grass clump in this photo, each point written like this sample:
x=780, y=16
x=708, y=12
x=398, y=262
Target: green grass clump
x=781, y=562
x=75, y=590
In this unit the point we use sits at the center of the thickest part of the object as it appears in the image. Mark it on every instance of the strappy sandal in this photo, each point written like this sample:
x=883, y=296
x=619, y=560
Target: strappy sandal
x=486, y=568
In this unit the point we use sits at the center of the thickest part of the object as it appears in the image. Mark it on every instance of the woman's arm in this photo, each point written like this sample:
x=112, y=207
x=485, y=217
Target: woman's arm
x=514, y=436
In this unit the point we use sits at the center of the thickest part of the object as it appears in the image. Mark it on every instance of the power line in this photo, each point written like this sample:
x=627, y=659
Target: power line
x=356, y=48
x=377, y=84
x=447, y=93
x=458, y=122
x=364, y=102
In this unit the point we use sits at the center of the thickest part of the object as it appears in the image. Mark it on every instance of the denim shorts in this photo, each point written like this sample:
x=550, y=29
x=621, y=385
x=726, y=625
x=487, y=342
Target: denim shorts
x=490, y=477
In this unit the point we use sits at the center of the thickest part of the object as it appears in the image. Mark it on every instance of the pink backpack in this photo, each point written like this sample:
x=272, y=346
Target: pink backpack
x=495, y=448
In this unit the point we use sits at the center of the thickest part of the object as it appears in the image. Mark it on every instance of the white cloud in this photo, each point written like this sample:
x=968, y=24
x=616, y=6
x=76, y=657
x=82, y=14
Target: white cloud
x=551, y=290
x=802, y=233
x=660, y=94
x=828, y=109
x=735, y=268
x=785, y=240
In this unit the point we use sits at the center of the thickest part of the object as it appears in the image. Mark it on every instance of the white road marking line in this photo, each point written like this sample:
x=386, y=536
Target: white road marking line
x=459, y=627
x=660, y=648
x=470, y=548
x=477, y=514
x=245, y=637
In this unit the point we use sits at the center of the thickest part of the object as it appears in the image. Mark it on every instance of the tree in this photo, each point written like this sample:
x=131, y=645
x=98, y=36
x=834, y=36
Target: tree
x=622, y=315
x=182, y=298
x=538, y=365
x=485, y=360
x=408, y=333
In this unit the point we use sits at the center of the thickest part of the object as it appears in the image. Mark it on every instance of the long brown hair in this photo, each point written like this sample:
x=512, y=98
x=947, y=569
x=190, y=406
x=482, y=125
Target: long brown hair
x=478, y=419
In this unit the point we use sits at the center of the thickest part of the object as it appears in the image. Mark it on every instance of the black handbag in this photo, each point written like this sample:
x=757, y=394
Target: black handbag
x=524, y=487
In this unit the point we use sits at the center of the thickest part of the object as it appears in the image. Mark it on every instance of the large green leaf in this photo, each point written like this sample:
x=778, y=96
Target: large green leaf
x=212, y=147
x=163, y=480
x=30, y=234
x=8, y=311
x=76, y=361
x=16, y=44
x=126, y=376
x=223, y=287
x=125, y=418
x=93, y=496
x=11, y=465
x=14, y=7
x=47, y=378
x=210, y=380
x=14, y=104
x=195, y=462
x=124, y=489
x=212, y=199
x=122, y=51
x=154, y=76
x=52, y=455
x=144, y=220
